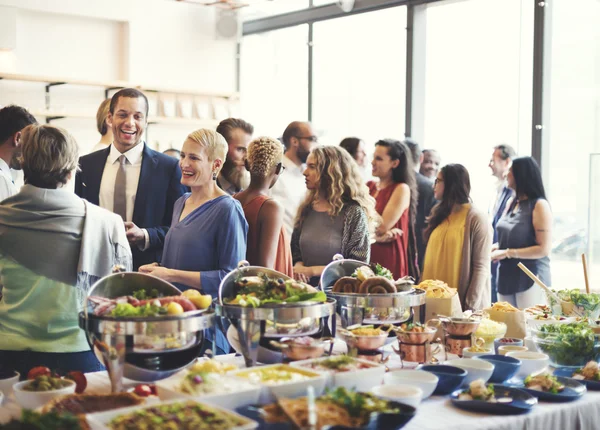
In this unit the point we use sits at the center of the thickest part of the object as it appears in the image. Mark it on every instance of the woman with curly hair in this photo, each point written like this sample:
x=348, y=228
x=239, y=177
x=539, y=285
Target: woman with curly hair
x=268, y=243
x=335, y=217
x=459, y=240
x=396, y=201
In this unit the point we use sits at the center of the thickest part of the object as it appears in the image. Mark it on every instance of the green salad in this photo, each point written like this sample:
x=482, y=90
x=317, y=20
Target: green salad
x=588, y=303
x=126, y=310
x=254, y=291
x=378, y=270
x=568, y=344
x=358, y=404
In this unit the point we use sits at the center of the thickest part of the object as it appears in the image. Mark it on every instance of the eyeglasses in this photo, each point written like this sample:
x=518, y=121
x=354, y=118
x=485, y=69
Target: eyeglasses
x=437, y=181
x=314, y=139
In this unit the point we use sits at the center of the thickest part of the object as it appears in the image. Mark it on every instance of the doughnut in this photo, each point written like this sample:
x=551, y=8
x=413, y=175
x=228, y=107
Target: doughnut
x=346, y=284
x=377, y=285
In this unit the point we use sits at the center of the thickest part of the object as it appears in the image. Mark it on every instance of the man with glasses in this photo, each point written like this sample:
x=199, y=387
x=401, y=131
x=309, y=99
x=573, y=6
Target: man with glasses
x=500, y=165
x=298, y=139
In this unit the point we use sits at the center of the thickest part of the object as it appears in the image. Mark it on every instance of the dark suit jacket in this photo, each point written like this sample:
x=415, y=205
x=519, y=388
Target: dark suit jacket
x=158, y=189
x=426, y=203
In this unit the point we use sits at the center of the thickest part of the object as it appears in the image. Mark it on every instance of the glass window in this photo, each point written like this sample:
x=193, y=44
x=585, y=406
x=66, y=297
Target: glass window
x=274, y=79
x=478, y=84
x=572, y=136
x=271, y=8
x=359, y=76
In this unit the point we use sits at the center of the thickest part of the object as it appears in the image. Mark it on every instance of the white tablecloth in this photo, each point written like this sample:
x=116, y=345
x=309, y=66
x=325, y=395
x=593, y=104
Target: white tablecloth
x=434, y=413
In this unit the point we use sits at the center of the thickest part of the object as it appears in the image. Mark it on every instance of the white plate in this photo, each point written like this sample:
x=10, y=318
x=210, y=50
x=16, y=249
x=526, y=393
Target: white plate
x=168, y=389
x=270, y=393
x=361, y=380
x=100, y=420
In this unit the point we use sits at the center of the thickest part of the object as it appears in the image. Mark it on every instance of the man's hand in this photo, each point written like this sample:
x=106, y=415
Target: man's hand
x=135, y=234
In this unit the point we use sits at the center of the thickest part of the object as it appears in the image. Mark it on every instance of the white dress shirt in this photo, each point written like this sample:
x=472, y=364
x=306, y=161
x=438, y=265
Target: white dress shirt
x=132, y=169
x=7, y=187
x=290, y=190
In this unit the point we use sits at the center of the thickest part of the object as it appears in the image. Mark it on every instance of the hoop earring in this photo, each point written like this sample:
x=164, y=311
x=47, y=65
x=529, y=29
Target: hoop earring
x=214, y=176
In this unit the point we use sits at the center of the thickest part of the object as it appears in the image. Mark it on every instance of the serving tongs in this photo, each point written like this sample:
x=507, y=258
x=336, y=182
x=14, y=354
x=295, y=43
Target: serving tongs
x=548, y=291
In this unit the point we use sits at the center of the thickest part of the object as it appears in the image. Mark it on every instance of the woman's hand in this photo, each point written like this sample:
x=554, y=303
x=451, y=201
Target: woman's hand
x=499, y=254
x=302, y=273
x=157, y=270
x=389, y=235
x=495, y=247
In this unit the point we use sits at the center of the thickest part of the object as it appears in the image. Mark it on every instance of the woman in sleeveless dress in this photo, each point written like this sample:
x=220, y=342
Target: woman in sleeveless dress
x=396, y=201
x=524, y=236
x=268, y=243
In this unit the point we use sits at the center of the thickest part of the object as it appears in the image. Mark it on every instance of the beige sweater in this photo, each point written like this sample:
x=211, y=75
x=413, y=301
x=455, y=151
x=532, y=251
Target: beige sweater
x=474, y=288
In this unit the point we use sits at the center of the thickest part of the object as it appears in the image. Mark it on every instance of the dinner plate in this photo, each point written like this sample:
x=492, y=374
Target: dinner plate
x=378, y=420
x=573, y=390
x=522, y=402
x=567, y=372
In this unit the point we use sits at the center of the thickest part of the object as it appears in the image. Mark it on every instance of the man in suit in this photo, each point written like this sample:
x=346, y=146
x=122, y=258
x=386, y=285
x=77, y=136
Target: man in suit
x=132, y=180
x=500, y=165
x=426, y=199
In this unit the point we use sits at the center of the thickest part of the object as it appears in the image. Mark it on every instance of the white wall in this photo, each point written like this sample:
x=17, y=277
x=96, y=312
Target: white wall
x=150, y=42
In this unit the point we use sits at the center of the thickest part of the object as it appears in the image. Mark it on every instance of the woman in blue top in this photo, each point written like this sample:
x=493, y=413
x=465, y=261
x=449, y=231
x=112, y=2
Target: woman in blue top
x=207, y=238
x=524, y=236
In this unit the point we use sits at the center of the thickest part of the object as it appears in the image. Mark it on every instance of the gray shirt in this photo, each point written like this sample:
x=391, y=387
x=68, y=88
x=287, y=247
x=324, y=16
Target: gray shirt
x=515, y=230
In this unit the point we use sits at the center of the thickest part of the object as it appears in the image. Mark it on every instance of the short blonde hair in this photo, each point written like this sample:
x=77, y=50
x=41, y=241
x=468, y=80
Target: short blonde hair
x=263, y=154
x=101, y=115
x=215, y=144
x=49, y=155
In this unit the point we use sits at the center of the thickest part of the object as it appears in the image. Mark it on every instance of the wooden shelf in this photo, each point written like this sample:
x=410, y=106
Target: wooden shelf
x=211, y=123
x=115, y=84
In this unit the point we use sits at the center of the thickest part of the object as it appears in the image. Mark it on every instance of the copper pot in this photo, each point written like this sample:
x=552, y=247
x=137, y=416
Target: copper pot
x=456, y=345
x=422, y=353
x=363, y=342
x=460, y=326
x=293, y=351
x=427, y=335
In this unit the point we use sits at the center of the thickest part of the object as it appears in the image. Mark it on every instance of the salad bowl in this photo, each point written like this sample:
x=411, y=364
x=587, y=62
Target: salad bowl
x=568, y=345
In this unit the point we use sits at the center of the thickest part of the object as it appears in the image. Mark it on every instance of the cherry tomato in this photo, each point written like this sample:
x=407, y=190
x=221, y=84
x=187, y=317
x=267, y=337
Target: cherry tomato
x=38, y=371
x=80, y=380
x=143, y=390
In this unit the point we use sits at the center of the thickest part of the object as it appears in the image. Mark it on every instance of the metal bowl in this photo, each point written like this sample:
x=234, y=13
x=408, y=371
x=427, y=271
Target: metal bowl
x=457, y=326
x=146, y=349
x=363, y=342
x=292, y=350
x=416, y=338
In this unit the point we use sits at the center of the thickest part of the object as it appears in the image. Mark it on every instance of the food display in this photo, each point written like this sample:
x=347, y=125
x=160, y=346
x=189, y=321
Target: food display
x=202, y=384
x=490, y=330
x=587, y=304
x=416, y=333
x=213, y=366
x=478, y=390
x=590, y=372
x=301, y=348
x=544, y=382
x=180, y=415
x=79, y=404
x=255, y=291
x=144, y=304
x=341, y=363
x=373, y=279
x=46, y=383
x=436, y=289
x=32, y=420
x=339, y=407
x=504, y=307
x=275, y=375
x=572, y=344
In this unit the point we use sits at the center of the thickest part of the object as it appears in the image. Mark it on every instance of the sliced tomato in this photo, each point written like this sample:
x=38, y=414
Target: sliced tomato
x=80, y=380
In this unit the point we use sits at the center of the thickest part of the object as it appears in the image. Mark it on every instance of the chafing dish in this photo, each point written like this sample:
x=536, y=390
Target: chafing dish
x=143, y=349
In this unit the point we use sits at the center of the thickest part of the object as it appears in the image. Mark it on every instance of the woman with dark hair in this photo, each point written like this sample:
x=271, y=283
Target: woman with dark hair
x=459, y=240
x=524, y=236
x=396, y=201
x=357, y=149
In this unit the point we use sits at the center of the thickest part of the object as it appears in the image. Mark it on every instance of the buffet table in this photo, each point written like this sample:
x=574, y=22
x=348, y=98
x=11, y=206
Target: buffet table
x=432, y=414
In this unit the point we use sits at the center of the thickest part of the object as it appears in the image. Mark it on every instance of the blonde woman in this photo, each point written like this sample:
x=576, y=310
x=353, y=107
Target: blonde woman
x=207, y=237
x=337, y=216
x=103, y=128
x=53, y=247
x=268, y=241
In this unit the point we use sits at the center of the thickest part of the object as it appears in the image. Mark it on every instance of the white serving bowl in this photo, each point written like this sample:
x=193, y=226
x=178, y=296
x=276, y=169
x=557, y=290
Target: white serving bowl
x=101, y=420
x=407, y=394
x=505, y=349
x=534, y=324
x=6, y=384
x=532, y=363
x=270, y=393
x=528, y=343
x=360, y=380
x=476, y=369
x=35, y=399
x=422, y=379
x=467, y=353
x=168, y=389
